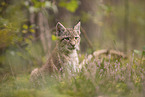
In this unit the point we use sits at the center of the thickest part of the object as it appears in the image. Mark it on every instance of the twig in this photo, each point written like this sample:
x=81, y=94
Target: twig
x=86, y=37
x=11, y=70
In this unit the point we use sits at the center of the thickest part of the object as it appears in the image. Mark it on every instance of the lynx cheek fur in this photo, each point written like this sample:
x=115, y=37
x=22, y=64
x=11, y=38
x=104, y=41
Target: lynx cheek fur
x=64, y=57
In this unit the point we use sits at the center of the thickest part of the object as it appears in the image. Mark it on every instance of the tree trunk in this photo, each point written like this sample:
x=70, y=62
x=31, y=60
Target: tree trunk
x=126, y=17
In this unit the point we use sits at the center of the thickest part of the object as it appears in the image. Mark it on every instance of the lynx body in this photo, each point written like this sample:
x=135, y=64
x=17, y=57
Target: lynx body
x=64, y=57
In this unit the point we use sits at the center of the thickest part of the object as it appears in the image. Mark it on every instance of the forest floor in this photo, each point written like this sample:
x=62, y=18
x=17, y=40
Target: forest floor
x=106, y=77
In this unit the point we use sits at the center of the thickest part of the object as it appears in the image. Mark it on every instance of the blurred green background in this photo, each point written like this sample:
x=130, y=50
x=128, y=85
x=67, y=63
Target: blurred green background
x=27, y=29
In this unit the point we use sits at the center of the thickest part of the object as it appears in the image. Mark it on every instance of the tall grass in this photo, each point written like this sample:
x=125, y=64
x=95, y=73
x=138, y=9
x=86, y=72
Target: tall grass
x=108, y=77
x=105, y=77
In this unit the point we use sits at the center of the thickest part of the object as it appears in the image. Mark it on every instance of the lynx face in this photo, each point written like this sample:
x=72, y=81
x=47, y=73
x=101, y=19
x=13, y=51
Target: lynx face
x=69, y=38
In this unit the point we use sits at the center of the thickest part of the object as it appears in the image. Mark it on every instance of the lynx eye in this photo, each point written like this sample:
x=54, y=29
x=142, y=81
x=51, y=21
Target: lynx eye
x=76, y=37
x=67, y=38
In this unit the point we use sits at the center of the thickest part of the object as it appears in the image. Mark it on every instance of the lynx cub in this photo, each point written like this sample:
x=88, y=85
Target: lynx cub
x=64, y=56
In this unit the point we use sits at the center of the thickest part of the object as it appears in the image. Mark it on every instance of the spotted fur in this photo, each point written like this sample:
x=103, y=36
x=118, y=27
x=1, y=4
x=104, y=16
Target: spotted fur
x=64, y=57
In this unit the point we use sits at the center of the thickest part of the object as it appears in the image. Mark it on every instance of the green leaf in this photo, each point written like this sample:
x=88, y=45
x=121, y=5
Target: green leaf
x=70, y=6
x=143, y=53
x=32, y=30
x=25, y=26
x=24, y=31
x=143, y=47
x=48, y=4
x=137, y=52
x=53, y=37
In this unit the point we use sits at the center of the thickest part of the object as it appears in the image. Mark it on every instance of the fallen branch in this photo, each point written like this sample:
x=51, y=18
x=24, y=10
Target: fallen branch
x=107, y=52
x=98, y=53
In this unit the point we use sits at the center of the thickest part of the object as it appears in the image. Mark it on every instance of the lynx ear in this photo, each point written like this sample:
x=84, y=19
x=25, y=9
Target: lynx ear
x=77, y=27
x=59, y=29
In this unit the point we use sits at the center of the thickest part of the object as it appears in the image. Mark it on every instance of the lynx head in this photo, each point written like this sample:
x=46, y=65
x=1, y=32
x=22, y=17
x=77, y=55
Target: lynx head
x=69, y=38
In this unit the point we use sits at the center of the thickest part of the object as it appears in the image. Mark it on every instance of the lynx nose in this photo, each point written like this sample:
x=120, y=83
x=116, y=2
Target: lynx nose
x=72, y=43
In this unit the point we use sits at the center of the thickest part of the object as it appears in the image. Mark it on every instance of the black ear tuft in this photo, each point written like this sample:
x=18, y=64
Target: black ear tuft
x=77, y=27
x=59, y=29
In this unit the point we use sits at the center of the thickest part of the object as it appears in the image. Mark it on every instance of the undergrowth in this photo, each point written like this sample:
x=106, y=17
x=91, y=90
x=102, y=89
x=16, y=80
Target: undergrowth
x=105, y=77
